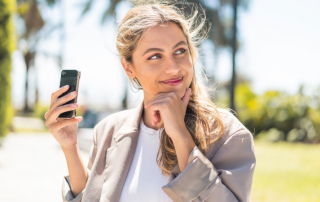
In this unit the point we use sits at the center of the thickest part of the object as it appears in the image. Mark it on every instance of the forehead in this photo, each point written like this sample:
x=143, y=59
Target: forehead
x=161, y=36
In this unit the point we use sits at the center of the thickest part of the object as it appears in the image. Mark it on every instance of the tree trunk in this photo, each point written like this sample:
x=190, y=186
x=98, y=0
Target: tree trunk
x=27, y=60
x=26, y=107
x=234, y=49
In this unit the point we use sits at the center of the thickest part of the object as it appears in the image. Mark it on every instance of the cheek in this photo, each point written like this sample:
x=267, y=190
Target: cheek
x=189, y=71
x=186, y=62
x=148, y=78
x=190, y=75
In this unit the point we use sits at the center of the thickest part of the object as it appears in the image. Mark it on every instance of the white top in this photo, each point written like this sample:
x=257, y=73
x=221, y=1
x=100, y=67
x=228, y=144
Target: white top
x=144, y=179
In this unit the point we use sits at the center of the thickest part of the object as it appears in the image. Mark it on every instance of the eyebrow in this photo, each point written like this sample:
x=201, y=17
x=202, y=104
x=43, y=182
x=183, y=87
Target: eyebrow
x=161, y=50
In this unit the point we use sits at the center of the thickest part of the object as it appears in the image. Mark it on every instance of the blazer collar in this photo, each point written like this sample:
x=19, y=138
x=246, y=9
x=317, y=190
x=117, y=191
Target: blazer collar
x=120, y=158
x=131, y=124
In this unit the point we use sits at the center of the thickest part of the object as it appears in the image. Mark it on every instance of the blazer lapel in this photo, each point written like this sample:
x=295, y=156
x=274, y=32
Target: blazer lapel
x=119, y=156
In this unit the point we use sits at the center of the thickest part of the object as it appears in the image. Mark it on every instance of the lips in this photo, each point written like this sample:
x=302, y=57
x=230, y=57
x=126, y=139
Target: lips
x=173, y=79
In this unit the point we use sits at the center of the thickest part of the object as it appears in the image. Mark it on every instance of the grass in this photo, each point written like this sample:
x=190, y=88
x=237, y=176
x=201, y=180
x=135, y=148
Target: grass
x=286, y=172
x=28, y=130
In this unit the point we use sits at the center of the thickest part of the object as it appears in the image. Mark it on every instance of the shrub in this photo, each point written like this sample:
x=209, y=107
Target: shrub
x=7, y=45
x=277, y=116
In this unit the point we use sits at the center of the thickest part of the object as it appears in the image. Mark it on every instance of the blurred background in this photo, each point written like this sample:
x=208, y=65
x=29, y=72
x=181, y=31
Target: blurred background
x=261, y=59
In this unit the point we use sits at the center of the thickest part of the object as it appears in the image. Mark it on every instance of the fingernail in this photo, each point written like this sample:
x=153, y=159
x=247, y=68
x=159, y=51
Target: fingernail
x=65, y=86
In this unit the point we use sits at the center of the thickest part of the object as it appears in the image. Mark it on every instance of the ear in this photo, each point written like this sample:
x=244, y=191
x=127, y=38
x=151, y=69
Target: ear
x=127, y=66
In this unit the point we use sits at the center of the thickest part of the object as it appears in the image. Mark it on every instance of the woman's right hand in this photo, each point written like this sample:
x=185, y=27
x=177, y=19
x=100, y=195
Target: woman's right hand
x=64, y=131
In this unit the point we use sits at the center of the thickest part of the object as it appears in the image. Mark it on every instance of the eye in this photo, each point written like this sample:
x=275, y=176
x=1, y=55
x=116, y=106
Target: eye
x=156, y=56
x=182, y=50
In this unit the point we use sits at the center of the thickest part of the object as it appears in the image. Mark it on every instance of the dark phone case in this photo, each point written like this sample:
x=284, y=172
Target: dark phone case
x=73, y=82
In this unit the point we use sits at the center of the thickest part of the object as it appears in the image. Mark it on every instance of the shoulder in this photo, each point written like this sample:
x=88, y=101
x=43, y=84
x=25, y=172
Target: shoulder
x=233, y=130
x=115, y=120
x=111, y=124
x=232, y=124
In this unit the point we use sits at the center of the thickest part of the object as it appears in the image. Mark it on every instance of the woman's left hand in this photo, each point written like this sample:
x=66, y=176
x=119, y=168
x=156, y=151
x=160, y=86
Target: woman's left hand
x=172, y=109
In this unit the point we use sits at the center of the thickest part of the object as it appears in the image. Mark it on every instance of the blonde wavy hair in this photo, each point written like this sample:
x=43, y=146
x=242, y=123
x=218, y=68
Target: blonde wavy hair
x=202, y=118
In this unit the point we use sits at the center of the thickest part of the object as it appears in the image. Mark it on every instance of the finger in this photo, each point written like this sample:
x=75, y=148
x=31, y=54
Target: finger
x=61, y=101
x=156, y=117
x=59, y=92
x=158, y=97
x=52, y=118
x=154, y=122
x=153, y=117
x=54, y=96
x=61, y=124
x=186, y=97
x=158, y=101
x=155, y=113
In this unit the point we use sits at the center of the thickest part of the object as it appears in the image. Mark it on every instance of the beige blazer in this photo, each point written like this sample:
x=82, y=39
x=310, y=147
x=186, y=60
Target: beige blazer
x=223, y=174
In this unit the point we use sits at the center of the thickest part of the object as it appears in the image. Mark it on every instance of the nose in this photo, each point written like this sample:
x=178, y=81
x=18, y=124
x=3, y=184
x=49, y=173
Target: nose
x=171, y=66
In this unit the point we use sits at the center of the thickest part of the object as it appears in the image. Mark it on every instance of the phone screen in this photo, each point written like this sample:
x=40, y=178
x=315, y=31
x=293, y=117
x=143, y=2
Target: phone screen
x=69, y=77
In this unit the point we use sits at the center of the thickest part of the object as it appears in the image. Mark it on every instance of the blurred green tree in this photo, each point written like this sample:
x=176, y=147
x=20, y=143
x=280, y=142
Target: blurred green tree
x=279, y=116
x=29, y=37
x=7, y=46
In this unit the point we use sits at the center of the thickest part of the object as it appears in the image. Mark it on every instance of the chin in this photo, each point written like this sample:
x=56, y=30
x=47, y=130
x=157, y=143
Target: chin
x=182, y=92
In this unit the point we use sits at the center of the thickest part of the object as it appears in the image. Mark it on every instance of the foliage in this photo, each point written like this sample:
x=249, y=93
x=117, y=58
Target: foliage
x=40, y=110
x=7, y=45
x=219, y=20
x=31, y=33
x=277, y=116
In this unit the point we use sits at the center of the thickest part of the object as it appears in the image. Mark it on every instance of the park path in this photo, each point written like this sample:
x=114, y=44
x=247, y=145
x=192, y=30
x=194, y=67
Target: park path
x=32, y=166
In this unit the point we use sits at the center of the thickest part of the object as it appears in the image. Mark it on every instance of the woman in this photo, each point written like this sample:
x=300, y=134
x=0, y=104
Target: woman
x=176, y=145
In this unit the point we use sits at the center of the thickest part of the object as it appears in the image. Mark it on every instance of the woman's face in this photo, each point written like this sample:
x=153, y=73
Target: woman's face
x=161, y=54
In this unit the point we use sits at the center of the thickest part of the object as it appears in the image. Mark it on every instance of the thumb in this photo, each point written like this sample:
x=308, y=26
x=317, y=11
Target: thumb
x=186, y=97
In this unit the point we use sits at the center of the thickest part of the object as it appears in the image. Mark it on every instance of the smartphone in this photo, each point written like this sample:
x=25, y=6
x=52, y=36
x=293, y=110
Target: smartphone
x=69, y=77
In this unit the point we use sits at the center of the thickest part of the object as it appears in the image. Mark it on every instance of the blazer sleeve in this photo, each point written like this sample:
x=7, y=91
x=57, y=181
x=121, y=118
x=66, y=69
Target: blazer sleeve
x=226, y=177
x=67, y=194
